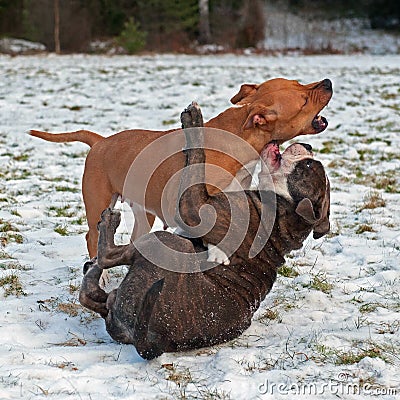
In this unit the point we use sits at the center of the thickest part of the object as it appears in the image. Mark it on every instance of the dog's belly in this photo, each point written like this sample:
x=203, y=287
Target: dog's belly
x=193, y=310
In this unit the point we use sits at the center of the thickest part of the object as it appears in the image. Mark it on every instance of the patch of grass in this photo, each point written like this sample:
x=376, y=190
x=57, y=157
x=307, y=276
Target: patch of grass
x=169, y=122
x=365, y=153
x=269, y=315
x=6, y=226
x=21, y=157
x=260, y=365
x=5, y=256
x=81, y=154
x=372, y=200
x=386, y=180
x=73, y=288
x=388, y=327
x=9, y=233
x=12, y=285
x=11, y=237
x=320, y=282
x=288, y=271
x=356, y=134
x=16, y=174
x=389, y=96
x=213, y=394
x=15, y=265
x=16, y=213
x=353, y=104
x=79, y=221
x=353, y=356
x=72, y=309
x=364, y=228
x=66, y=189
x=180, y=376
x=63, y=211
x=329, y=146
x=61, y=230
x=388, y=127
x=337, y=163
x=369, y=307
x=387, y=183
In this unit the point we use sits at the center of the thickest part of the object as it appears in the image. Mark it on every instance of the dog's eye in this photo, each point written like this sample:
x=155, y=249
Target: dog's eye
x=309, y=163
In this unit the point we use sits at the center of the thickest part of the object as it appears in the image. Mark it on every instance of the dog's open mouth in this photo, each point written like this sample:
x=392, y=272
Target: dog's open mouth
x=319, y=123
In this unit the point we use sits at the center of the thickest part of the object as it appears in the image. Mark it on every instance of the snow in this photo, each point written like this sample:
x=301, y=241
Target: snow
x=20, y=46
x=343, y=302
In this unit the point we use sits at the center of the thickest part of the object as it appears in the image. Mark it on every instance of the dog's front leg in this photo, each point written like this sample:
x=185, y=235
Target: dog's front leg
x=192, y=189
x=108, y=254
x=91, y=295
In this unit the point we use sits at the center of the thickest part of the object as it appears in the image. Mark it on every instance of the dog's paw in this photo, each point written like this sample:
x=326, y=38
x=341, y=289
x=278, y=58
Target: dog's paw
x=110, y=218
x=217, y=255
x=191, y=117
x=89, y=264
x=105, y=279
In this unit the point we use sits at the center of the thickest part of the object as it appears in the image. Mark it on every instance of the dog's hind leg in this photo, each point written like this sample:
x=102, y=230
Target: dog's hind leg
x=148, y=344
x=97, y=196
x=143, y=221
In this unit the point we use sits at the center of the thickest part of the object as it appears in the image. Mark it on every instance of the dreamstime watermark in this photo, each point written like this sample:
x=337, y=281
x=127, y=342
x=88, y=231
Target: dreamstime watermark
x=341, y=387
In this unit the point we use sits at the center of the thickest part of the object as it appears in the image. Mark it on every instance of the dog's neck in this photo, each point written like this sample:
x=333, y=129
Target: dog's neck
x=233, y=120
x=290, y=227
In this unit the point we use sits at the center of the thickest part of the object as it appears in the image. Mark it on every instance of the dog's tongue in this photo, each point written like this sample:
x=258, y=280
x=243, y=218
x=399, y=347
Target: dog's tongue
x=319, y=123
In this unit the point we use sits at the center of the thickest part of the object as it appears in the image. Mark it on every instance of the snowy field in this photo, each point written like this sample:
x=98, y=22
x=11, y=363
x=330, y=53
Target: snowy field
x=331, y=324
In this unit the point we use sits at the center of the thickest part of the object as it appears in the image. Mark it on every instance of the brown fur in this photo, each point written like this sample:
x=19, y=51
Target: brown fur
x=278, y=109
x=159, y=310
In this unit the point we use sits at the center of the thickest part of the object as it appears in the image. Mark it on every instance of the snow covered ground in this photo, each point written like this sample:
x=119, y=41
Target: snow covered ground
x=330, y=325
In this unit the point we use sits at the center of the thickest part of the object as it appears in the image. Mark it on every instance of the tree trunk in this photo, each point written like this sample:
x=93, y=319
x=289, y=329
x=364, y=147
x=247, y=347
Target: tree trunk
x=204, y=23
x=57, y=26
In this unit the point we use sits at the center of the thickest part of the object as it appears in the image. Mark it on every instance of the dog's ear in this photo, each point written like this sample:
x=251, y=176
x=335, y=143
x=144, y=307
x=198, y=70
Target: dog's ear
x=245, y=90
x=323, y=225
x=317, y=216
x=261, y=117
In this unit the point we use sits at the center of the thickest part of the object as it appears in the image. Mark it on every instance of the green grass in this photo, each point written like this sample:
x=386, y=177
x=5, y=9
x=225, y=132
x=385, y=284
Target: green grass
x=67, y=189
x=63, y=211
x=288, y=271
x=355, y=356
x=11, y=285
x=321, y=283
x=9, y=233
x=61, y=230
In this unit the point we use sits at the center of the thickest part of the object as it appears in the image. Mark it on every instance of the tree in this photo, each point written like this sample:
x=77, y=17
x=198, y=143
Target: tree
x=57, y=27
x=204, y=22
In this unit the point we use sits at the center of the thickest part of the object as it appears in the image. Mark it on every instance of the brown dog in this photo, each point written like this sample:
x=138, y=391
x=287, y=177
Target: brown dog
x=171, y=299
x=278, y=109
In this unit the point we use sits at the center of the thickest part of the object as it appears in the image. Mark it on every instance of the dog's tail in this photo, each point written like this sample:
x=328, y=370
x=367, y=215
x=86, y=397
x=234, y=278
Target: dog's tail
x=88, y=137
x=148, y=344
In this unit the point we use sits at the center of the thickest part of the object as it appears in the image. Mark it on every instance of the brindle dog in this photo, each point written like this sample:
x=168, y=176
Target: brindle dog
x=182, y=303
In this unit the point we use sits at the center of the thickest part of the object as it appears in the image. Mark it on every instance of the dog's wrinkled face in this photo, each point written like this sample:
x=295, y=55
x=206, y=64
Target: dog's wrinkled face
x=285, y=108
x=300, y=179
x=276, y=167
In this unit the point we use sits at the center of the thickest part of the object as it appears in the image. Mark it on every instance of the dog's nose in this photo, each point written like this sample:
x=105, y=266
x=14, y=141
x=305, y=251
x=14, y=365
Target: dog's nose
x=307, y=146
x=327, y=84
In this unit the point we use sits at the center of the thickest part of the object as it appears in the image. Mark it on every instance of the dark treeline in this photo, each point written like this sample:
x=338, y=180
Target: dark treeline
x=165, y=25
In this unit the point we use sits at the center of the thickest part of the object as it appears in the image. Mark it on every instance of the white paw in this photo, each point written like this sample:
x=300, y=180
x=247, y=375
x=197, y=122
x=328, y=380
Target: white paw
x=217, y=255
x=105, y=279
